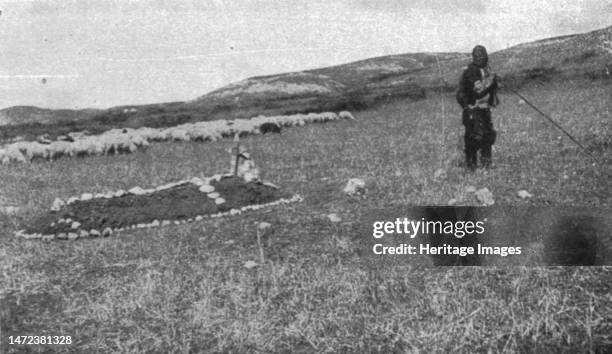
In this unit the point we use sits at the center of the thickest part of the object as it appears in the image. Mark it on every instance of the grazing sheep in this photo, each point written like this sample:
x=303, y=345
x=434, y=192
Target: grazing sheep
x=44, y=139
x=36, y=150
x=138, y=139
x=346, y=115
x=58, y=149
x=127, y=140
x=178, y=134
x=13, y=153
x=270, y=128
x=65, y=138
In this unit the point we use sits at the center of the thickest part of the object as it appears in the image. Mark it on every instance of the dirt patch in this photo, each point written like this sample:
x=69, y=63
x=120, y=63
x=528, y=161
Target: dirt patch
x=237, y=193
x=181, y=203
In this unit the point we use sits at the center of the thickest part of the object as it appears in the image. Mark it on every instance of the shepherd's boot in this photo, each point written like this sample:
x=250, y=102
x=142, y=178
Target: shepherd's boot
x=485, y=156
x=470, y=160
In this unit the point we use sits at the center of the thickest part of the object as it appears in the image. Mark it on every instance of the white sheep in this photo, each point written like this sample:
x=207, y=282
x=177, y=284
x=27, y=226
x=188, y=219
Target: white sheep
x=129, y=140
x=346, y=115
x=178, y=134
x=14, y=153
x=58, y=149
x=30, y=150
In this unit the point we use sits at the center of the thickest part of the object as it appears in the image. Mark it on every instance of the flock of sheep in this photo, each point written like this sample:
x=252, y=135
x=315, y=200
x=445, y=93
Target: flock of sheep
x=129, y=140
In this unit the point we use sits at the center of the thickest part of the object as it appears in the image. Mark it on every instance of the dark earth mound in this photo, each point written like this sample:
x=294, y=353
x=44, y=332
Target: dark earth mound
x=183, y=202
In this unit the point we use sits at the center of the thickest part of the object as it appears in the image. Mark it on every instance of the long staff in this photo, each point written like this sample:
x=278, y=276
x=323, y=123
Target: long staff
x=584, y=149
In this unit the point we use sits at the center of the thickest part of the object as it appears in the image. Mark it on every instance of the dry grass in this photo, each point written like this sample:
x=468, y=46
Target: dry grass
x=184, y=288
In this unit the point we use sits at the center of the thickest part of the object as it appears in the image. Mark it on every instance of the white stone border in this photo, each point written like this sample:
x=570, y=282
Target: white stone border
x=203, y=183
x=80, y=233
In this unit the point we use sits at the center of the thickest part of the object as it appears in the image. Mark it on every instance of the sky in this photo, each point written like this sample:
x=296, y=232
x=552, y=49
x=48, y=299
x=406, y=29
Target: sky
x=104, y=53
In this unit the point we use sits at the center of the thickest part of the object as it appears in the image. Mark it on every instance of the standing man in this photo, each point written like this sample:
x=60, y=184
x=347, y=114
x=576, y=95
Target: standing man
x=477, y=94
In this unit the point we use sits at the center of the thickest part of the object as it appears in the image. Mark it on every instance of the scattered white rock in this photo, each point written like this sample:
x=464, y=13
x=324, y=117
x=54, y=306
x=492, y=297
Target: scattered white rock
x=94, y=233
x=250, y=264
x=87, y=196
x=75, y=225
x=252, y=175
x=72, y=200
x=355, y=186
x=270, y=184
x=219, y=201
x=137, y=191
x=440, y=173
x=197, y=181
x=235, y=212
x=83, y=234
x=119, y=193
x=263, y=226
x=48, y=237
x=155, y=223
x=523, y=194
x=199, y=217
x=165, y=223
x=62, y=236
x=452, y=201
x=107, y=232
x=57, y=205
x=214, y=195
x=470, y=189
x=485, y=196
x=334, y=218
x=73, y=236
x=207, y=188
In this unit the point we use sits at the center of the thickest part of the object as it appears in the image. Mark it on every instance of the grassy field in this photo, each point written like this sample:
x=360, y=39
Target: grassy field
x=184, y=288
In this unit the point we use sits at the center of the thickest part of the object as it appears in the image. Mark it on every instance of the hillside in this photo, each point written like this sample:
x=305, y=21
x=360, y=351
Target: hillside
x=353, y=86
x=30, y=114
x=574, y=56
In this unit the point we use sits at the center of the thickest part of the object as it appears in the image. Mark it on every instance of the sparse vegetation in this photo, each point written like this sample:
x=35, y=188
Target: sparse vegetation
x=184, y=288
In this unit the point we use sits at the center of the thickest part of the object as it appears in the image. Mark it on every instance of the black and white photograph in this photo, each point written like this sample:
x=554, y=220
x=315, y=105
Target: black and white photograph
x=284, y=176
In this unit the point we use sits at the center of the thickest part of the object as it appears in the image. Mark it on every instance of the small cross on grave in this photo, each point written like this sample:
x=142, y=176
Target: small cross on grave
x=239, y=154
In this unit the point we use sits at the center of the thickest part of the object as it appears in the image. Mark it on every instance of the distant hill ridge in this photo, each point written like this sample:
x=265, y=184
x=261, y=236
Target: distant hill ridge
x=353, y=85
